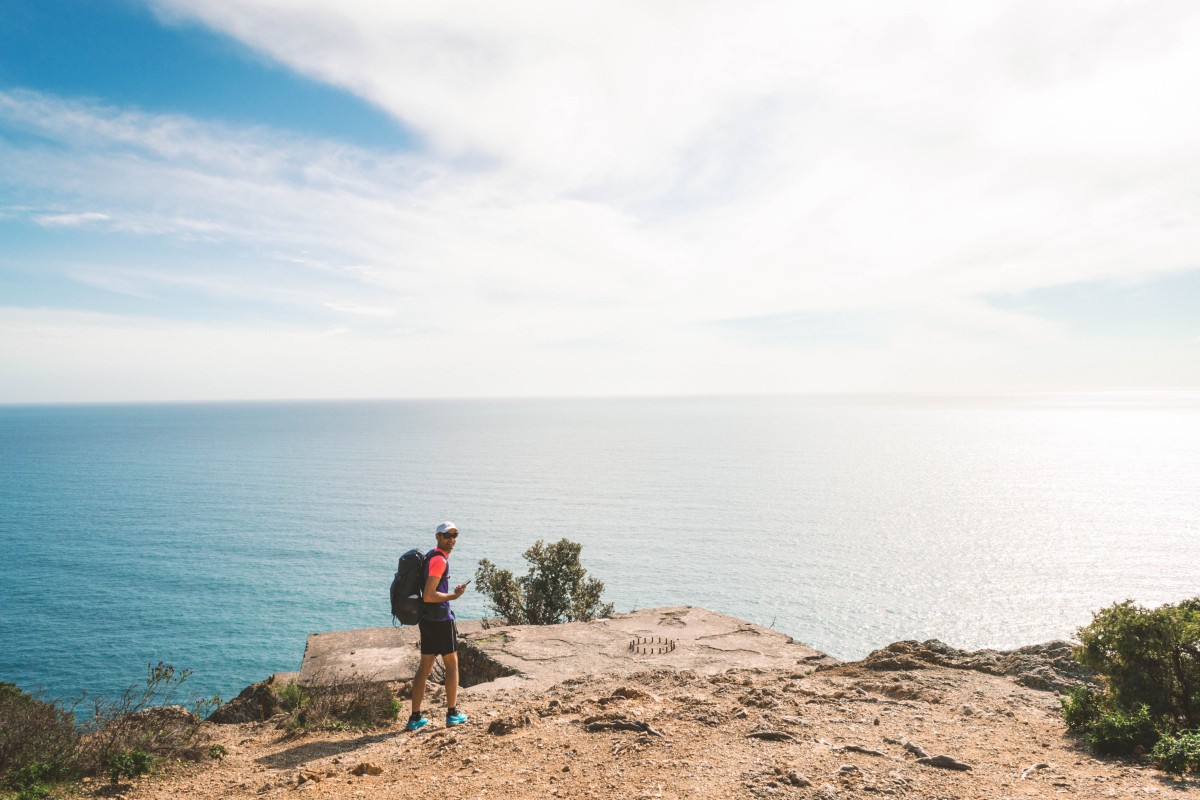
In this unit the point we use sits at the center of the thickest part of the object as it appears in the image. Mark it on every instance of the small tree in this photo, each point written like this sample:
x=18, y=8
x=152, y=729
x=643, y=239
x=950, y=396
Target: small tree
x=1148, y=664
x=556, y=588
x=1148, y=657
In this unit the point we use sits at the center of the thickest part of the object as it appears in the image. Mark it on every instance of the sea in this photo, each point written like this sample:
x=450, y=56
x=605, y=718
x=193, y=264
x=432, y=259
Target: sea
x=216, y=537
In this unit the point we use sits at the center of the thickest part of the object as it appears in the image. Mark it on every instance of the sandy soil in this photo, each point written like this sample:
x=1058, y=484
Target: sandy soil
x=845, y=731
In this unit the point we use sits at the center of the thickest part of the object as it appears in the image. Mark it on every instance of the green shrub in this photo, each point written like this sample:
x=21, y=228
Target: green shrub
x=1178, y=753
x=291, y=697
x=556, y=588
x=33, y=780
x=217, y=751
x=39, y=741
x=1119, y=732
x=1107, y=730
x=1081, y=706
x=43, y=745
x=128, y=764
x=1147, y=662
x=36, y=791
x=1148, y=657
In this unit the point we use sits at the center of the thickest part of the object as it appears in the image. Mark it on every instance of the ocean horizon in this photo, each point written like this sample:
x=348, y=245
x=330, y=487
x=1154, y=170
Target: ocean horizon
x=216, y=536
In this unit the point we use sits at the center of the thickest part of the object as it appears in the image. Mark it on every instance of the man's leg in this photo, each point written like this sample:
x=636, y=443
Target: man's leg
x=450, y=661
x=418, y=687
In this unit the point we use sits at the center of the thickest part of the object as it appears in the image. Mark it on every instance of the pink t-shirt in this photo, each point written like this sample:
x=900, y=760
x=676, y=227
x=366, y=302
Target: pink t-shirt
x=437, y=564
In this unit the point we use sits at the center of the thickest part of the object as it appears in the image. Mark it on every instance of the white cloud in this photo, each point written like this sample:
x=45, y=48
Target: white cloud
x=70, y=220
x=636, y=93
x=361, y=310
x=617, y=173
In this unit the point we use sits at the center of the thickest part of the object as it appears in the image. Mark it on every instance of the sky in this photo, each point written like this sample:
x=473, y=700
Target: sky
x=261, y=199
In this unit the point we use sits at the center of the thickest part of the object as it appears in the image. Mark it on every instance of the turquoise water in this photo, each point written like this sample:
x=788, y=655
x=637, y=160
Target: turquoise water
x=216, y=537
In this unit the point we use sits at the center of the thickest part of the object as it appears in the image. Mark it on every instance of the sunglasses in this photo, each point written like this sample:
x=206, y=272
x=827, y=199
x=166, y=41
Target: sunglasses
x=450, y=535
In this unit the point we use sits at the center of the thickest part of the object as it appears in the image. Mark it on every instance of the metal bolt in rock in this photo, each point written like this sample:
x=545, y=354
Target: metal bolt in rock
x=651, y=645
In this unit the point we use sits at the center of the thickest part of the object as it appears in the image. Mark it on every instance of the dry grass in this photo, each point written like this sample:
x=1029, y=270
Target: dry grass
x=333, y=701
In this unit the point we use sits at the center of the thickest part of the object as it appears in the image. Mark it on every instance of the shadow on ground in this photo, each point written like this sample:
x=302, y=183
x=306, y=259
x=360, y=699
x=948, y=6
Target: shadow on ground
x=301, y=754
x=1178, y=783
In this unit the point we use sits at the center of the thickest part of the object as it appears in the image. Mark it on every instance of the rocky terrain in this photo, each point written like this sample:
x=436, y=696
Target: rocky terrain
x=917, y=720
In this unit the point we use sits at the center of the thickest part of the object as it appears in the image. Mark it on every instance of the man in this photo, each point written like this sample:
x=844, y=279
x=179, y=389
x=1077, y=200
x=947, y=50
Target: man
x=439, y=637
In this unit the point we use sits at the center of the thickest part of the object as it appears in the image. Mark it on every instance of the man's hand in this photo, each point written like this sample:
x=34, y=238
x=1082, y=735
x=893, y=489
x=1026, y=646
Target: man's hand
x=458, y=590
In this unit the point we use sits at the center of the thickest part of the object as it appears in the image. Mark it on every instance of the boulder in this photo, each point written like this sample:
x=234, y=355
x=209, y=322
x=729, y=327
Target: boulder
x=255, y=703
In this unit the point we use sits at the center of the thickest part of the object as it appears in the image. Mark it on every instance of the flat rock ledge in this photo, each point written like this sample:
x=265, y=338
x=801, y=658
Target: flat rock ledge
x=496, y=656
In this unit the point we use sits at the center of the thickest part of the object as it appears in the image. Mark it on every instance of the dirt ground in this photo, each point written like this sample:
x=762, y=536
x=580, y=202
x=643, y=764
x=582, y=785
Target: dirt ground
x=839, y=732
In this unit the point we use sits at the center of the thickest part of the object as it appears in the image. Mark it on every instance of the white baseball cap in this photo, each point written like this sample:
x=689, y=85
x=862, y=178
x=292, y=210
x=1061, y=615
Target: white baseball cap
x=446, y=527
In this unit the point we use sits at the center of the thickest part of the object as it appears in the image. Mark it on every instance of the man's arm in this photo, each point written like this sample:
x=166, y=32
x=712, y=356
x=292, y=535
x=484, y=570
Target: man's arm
x=432, y=595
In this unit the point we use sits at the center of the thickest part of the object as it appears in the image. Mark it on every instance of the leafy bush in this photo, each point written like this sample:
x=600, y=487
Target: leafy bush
x=32, y=781
x=291, y=697
x=1148, y=665
x=1177, y=754
x=1148, y=657
x=1118, y=732
x=1106, y=729
x=129, y=764
x=42, y=744
x=1081, y=706
x=38, y=741
x=556, y=588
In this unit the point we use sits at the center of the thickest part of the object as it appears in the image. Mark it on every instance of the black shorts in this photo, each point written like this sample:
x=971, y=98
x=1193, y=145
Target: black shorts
x=438, y=638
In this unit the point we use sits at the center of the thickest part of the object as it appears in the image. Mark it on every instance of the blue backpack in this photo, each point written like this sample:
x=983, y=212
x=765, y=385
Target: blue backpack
x=408, y=589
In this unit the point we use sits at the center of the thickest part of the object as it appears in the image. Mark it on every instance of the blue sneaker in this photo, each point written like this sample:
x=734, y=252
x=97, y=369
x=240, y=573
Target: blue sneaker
x=416, y=724
x=455, y=718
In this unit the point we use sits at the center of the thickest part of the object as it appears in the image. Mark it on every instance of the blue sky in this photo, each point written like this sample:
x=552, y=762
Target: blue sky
x=123, y=54
x=252, y=199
